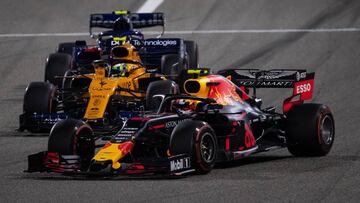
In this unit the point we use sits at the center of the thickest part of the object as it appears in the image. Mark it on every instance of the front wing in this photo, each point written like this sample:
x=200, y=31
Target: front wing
x=70, y=164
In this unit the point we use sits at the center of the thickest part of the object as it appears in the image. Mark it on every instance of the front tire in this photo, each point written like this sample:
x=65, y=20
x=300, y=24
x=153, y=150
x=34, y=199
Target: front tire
x=198, y=140
x=39, y=98
x=73, y=137
x=310, y=130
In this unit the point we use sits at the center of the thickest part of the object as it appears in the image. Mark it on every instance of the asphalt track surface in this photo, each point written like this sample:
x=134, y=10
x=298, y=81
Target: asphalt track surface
x=274, y=176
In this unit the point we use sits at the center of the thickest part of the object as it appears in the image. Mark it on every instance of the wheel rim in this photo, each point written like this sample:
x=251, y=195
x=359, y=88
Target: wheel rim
x=327, y=130
x=207, y=148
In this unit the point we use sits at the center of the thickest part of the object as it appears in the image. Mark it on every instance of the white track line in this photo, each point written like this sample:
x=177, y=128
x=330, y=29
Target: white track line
x=187, y=32
x=263, y=31
x=45, y=34
x=149, y=6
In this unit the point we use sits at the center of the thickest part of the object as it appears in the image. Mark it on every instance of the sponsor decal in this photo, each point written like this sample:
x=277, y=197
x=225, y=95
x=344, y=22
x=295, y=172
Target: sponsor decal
x=271, y=75
x=136, y=42
x=158, y=42
x=151, y=19
x=115, y=43
x=283, y=75
x=179, y=164
x=172, y=124
x=126, y=85
x=97, y=102
x=102, y=83
x=303, y=75
x=100, y=89
x=125, y=134
x=298, y=76
x=266, y=83
x=148, y=20
x=304, y=88
x=98, y=96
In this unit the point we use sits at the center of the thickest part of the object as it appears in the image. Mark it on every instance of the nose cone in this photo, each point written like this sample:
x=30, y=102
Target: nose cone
x=113, y=152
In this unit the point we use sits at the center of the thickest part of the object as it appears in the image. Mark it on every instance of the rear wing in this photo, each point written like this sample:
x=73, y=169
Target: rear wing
x=301, y=81
x=139, y=20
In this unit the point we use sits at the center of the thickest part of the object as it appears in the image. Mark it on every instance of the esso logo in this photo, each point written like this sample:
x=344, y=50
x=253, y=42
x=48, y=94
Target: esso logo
x=303, y=88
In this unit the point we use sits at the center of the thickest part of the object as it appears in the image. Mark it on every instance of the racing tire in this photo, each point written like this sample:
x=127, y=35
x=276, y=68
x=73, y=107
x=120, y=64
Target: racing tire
x=172, y=66
x=160, y=87
x=40, y=97
x=198, y=140
x=66, y=48
x=73, y=137
x=56, y=65
x=310, y=130
x=193, y=54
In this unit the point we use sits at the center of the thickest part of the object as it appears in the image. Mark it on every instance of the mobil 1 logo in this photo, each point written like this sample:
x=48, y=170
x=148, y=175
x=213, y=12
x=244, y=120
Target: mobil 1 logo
x=178, y=164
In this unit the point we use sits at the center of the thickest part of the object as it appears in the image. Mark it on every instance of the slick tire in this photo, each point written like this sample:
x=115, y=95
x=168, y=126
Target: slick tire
x=197, y=139
x=56, y=66
x=192, y=53
x=73, y=137
x=172, y=66
x=65, y=48
x=310, y=130
x=161, y=87
x=39, y=98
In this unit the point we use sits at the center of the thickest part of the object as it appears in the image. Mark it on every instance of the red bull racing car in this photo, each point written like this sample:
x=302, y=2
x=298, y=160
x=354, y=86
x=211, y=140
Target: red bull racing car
x=215, y=121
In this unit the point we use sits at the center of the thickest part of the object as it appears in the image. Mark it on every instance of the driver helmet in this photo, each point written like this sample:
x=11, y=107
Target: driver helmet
x=119, y=69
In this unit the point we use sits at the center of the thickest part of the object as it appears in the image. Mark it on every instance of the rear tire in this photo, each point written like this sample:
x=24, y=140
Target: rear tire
x=73, y=137
x=193, y=54
x=57, y=64
x=66, y=48
x=198, y=140
x=161, y=87
x=310, y=130
x=39, y=98
x=172, y=66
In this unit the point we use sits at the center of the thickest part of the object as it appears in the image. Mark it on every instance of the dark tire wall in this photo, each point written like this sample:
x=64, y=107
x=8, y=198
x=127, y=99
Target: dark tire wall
x=40, y=98
x=186, y=139
x=303, y=129
x=193, y=54
x=65, y=47
x=56, y=66
x=73, y=137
